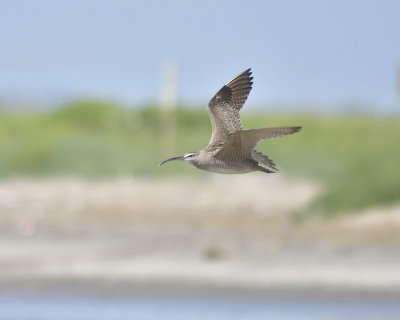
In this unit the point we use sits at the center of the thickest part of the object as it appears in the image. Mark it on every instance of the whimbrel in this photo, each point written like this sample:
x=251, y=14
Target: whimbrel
x=232, y=149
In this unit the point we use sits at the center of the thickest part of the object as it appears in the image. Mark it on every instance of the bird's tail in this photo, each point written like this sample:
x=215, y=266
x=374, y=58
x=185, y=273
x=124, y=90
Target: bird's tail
x=265, y=164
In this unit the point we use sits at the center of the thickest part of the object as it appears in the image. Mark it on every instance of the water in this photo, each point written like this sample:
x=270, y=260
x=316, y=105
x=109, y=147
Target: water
x=88, y=307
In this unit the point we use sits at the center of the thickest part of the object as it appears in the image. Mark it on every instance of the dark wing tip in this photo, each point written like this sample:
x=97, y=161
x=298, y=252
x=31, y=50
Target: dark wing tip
x=235, y=92
x=245, y=73
x=291, y=130
x=240, y=87
x=241, y=77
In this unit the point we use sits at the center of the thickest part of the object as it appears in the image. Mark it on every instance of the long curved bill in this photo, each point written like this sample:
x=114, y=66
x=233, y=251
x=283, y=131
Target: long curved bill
x=170, y=159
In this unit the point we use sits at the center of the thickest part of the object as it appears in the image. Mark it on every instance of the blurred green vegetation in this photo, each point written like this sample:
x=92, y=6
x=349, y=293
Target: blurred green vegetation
x=355, y=157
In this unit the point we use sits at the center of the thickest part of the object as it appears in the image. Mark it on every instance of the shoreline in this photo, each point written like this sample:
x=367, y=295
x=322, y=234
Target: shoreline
x=344, y=275
x=170, y=289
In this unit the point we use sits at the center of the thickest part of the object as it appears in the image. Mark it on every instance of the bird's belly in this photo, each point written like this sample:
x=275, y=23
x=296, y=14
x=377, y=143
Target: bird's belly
x=228, y=168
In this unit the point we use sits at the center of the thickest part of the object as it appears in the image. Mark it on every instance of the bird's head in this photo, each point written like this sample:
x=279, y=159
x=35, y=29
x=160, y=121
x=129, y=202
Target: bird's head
x=190, y=157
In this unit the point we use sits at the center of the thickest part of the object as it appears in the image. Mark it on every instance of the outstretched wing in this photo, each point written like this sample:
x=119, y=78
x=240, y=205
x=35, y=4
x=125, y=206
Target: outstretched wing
x=240, y=145
x=224, y=107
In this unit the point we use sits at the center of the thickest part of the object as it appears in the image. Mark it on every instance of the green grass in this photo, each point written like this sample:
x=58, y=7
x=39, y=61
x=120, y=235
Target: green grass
x=356, y=157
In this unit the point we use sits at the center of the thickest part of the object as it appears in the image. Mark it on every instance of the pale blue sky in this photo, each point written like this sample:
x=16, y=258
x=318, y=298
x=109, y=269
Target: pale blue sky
x=318, y=52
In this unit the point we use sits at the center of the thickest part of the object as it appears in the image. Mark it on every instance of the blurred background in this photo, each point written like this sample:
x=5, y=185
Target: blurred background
x=95, y=94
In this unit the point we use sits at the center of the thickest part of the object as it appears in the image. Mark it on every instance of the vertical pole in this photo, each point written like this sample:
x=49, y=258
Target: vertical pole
x=168, y=104
x=398, y=84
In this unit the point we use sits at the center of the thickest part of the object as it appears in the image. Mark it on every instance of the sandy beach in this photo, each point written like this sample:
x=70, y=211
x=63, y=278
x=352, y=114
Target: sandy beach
x=221, y=231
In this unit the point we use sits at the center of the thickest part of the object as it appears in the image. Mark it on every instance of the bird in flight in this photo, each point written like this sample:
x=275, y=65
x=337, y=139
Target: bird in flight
x=232, y=149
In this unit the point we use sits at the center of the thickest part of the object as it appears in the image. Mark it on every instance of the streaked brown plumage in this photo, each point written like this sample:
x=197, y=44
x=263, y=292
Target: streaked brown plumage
x=232, y=149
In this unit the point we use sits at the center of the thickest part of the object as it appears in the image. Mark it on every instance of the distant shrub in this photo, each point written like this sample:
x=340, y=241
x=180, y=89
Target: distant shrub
x=356, y=158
